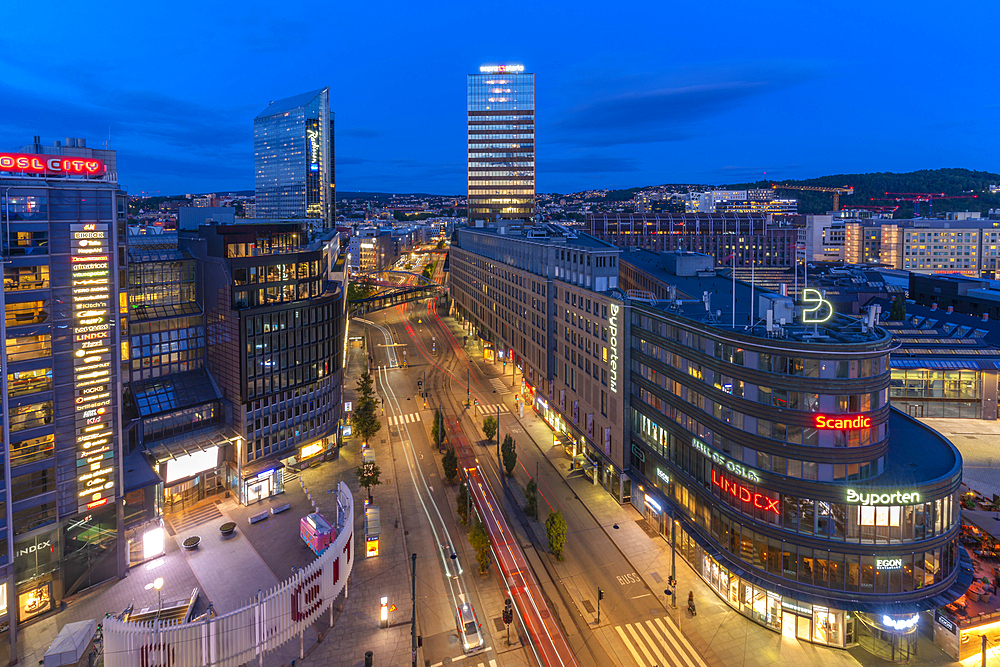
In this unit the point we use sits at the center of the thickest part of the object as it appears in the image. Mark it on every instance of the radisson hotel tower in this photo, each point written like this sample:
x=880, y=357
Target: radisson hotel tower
x=501, y=111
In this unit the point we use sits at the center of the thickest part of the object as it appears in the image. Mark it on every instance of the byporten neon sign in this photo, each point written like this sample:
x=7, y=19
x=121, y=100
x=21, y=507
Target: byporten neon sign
x=613, y=358
x=894, y=498
x=759, y=500
x=821, y=312
x=843, y=423
x=28, y=163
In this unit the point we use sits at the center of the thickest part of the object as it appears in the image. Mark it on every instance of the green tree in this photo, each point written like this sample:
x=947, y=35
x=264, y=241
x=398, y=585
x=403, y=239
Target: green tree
x=531, y=498
x=365, y=418
x=440, y=244
x=489, y=426
x=897, y=312
x=480, y=541
x=450, y=463
x=462, y=503
x=555, y=528
x=508, y=451
x=437, y=430
x=399, y=216
x=368, y=476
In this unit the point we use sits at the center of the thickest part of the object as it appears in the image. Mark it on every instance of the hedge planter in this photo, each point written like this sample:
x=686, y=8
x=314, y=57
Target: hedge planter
x=227, y=528
x=192, y=542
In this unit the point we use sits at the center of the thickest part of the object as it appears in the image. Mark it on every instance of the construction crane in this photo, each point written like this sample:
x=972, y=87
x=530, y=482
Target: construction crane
x=918, y=197
x=872, y=208
x=836, y=192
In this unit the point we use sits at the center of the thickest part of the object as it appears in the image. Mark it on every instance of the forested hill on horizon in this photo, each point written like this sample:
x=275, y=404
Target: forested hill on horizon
x=868, y=186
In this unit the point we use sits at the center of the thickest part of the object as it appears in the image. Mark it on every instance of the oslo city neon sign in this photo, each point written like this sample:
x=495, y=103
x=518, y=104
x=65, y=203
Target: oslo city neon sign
x=843, y=423
x=813, y=314
x=759, y=500
x=45, y=164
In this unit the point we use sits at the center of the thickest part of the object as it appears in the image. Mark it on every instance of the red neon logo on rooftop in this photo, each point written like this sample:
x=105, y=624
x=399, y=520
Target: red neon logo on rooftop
x=759, y=500
x=30, y=163
x=846, y=423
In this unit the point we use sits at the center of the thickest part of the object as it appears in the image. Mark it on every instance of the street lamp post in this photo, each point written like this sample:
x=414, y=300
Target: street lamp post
x=158, y=584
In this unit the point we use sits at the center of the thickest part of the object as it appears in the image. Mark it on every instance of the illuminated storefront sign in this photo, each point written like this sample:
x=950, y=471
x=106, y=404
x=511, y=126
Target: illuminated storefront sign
x=30, y=163
x=494, y=69
x=759, y=500
x=900, y=624
x=843, y=423
x=93, y=317
x=662, y=475
x=310, y=450
x=613, y=360
x=888, y=563
x=720, y=460
x=190, y=465
x=894, y=498
x=821, y=312
x=313, y=148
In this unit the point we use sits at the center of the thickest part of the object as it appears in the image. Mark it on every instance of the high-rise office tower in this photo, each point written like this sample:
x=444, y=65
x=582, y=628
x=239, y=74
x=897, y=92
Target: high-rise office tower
x=293, y=159
x=61, y=532
x=501, y=112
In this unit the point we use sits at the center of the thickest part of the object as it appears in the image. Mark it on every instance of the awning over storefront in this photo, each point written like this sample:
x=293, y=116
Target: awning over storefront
x=257, y=467
x=139, y=472
x=184, y=457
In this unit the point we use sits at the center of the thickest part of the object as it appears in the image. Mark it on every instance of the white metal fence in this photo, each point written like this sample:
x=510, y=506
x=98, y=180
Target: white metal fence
x=247, y=634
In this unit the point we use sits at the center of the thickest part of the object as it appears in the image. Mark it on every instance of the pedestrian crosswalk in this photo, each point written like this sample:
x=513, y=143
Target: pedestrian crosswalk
x=491, y=409
x=658, y=643
x=399, y=420
x=500, y=387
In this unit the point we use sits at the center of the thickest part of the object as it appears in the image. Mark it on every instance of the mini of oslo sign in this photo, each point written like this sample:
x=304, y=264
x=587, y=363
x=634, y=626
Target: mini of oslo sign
x=893, y=498
x=722, y=461
x=845, y=423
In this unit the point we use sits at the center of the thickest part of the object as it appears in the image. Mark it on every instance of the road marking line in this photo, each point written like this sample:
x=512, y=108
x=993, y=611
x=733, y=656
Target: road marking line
x=653, y=645
x=670, y=631
x=628, y=644
x=642, y=647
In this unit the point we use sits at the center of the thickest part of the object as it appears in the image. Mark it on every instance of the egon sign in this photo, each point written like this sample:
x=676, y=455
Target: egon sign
x=30, y=163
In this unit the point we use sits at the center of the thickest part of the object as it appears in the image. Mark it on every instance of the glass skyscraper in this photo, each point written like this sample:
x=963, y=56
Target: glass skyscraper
x=293, y=159
x=501, y=113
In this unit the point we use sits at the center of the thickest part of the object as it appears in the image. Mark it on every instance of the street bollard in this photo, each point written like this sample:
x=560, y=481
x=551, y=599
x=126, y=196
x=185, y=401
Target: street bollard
x=369, y=658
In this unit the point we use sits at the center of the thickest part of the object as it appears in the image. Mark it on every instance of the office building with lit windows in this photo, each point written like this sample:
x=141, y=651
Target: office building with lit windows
x=61, y=533
x=763, y=446
x=501, y=143
x=294, y=160
x=543, y=302
x=275, y=304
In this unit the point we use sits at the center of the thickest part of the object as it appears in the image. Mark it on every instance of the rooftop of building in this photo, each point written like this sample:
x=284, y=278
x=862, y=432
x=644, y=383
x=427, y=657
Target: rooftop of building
x=290, y=103
x=543, y=234
x=716, y=299
x=918, y=455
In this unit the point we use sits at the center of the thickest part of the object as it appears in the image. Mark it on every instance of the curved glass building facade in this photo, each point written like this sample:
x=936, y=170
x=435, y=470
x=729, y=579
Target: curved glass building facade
x=793, y=487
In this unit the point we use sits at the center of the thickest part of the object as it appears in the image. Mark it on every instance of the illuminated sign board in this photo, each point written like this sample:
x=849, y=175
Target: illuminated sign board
x=496, y=69
x=759, y=500
x=893, y=498
x=900, y=624
x=93, y=317
x=888, y=563
x=313, y=148
x=31, y=163
x=820, y=310
x=662, y=475
x=613, y=359
x=843, y=423
x=720, y=460
x=190, y=465
x=310, y=450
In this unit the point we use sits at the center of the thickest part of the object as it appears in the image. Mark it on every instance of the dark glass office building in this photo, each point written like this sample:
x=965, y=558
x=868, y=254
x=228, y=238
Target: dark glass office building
x=501, y=130
x=274, y=299
x=766, y=440
x=294, y=159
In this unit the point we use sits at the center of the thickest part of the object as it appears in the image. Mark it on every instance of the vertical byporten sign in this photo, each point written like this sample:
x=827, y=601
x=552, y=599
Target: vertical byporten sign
x=90, y=248
x=613, y=356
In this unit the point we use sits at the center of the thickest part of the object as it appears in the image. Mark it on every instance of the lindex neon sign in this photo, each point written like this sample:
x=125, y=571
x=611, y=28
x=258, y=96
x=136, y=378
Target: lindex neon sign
x=30, y=163
x=759, y=500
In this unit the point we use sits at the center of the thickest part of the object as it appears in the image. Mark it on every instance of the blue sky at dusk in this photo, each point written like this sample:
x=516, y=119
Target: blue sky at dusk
x=645, y=93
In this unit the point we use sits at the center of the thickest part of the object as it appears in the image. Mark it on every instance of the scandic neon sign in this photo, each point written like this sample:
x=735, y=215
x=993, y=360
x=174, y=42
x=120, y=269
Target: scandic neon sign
x=44, y=164
x=759, y=500
x=845, y=423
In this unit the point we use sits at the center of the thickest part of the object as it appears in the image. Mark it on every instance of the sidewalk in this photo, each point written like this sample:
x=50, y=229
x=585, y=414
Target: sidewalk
x=723, y=636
